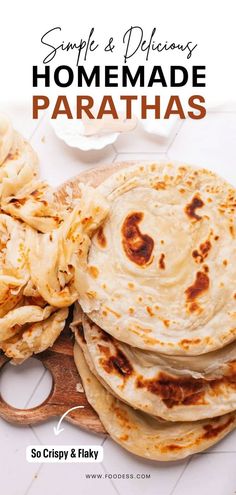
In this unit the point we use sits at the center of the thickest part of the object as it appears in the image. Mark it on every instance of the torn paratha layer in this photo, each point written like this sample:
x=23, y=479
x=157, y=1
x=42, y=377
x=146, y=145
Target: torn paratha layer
x=58, y=260
x=35, y=337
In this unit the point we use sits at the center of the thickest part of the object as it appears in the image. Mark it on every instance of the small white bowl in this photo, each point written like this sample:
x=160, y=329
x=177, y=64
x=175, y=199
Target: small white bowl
x=71, y=132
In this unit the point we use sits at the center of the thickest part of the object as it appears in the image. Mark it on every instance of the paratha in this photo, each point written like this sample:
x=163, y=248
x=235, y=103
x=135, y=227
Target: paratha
x=6, y=137
x=35, y=337
x=143, y=435
x=23, y=194
x=174, y=388
x=161, y=270
x=14, y=269
x=58, y=260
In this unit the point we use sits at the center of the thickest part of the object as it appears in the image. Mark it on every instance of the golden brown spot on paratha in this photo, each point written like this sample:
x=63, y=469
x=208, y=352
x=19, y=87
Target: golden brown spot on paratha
x=149, y=310
x=18, y=202
x=137, y=246
x=204, y=249
x=86, y=220
x=194, y=205
x=93, y=271
x=130, y=285
x=194, y=307
x=185, y=343
x=200, y=285
x=131, y=311
x=124, y=438
x=173, y=390
x=117, y=363
x=101, y=237
x=113, y=312
x=159, y=185
x=225, y=262
x=170, y=448
x=176, y=391
x=161, y=262
x=166, y=323
x=211, y=431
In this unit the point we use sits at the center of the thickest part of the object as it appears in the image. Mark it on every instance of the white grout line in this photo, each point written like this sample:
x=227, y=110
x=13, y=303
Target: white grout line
x=33, y=480
x=37, y=126
x=35, y=434
x=104, y=440
x=35, y=388
x=181, y=475
x=221, y=112
x=216, y=452
x=175, y=135
x=142, y=152
x=111, y=481
x=115, y=157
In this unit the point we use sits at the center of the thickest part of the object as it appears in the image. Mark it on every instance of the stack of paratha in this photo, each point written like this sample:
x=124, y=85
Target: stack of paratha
x=148, y=251
x=155, y=340
x=43, y=243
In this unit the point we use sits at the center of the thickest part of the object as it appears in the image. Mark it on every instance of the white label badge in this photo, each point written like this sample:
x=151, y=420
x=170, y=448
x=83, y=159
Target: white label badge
x=64, y=453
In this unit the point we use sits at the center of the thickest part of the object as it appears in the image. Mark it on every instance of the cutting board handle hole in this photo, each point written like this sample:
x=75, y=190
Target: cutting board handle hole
x=26, y=385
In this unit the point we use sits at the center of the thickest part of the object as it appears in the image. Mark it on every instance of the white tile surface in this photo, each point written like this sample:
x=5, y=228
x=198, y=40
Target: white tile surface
x=58, y=161
x=16, y=473
x=123, y=157
x=163, y=476
x=17, y=383
x=139, y=141
x=70, y=478
x=209, y=474
x=210, y=142
x=20, y=115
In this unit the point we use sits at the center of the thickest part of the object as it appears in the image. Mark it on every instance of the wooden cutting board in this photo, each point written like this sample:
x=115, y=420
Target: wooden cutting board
x=64, y=395
x=59, y=358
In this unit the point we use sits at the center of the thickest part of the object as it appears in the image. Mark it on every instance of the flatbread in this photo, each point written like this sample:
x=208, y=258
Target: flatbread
x=14, y=270
x=58, y=260
x=161, y=270
x=22, y=194
x=6, y=137
x=143, y=435
x=19, y=169
x=173, y=388
x=35, y=338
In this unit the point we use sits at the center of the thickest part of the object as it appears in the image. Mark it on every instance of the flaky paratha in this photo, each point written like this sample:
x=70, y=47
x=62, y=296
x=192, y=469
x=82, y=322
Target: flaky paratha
x=143, y=435
x=58, y=260
x=174, y=388
x=14, y=268
x=22, y=194
x=6, y=137
x=161, y=271
x=35, y=337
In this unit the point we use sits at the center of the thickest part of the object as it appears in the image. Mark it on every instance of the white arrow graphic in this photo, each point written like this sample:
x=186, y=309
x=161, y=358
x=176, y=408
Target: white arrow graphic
x=57, y=429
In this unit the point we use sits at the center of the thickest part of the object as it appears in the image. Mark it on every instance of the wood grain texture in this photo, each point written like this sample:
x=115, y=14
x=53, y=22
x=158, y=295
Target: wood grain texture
x=64, y=395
